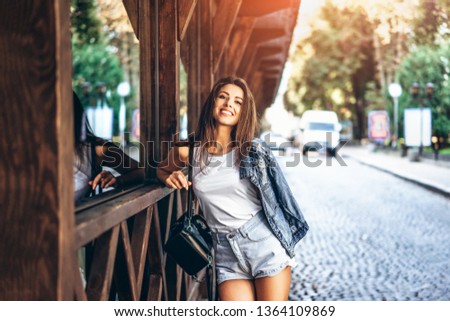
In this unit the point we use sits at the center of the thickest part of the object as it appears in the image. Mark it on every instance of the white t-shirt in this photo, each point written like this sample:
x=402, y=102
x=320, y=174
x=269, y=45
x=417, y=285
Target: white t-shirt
x=226, y=200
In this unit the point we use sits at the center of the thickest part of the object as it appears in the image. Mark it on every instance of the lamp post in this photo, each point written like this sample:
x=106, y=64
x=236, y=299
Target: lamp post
x=395, y=90
x=416, y=95
x=123, y=89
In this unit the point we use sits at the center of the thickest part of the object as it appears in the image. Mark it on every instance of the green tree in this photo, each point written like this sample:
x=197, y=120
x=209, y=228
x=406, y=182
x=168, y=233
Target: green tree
x=95, y=63
x=431, y=24
x=84, y=21
x=94, y=58
x=336, y=64
x=427, y=64
x=120, y=34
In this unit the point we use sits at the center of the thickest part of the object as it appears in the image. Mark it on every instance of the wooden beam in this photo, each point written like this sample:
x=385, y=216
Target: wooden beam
x=93, y=221
x=124, y=269
x=185, y=12
x=147, y=70
x=184, y=54
x=36, y=166
x=139, y=244
x=270, y=88
x=132, y=8
x=239, y=39
x=247, y=61
x=194, y=62
x=270, y=64
x=258, y=8
x=169, y=74
x=255, y=84
x=271, y=69
x=271, y=74
x=157, y=280
x=102, y=269
x=224, y=19
x=222, y=68
x=261, y=35
x=265, y=51
x=206, y=68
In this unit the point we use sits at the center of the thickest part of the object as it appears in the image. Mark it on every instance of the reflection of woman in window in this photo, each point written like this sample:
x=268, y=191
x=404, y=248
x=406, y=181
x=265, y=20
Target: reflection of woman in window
x=86, y=175
x=243, y=194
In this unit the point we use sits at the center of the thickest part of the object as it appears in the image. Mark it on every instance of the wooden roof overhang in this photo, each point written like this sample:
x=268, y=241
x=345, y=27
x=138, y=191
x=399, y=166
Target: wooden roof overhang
x=258, y=45
x=250, y=39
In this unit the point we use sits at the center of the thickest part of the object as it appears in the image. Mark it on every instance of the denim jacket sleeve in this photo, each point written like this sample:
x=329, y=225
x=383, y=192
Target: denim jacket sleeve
x=281, y=186
x=282, y=191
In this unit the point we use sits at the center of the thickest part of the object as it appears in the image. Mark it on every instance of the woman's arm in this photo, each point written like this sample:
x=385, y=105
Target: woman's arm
x=169, y=170
x=108, y=154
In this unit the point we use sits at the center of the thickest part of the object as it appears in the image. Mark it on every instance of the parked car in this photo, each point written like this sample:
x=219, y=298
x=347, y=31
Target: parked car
x=319, y=130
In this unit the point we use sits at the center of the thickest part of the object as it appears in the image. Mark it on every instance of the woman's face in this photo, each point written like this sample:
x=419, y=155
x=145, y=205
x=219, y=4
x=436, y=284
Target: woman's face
x=228, y=104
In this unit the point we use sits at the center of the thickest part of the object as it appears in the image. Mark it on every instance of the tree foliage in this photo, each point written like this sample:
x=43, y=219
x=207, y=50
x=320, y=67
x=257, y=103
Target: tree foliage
x=84, y=21
x=94, y=59
x=427, y=64
x=356, y=49
x=337, y=63
x=431, y=24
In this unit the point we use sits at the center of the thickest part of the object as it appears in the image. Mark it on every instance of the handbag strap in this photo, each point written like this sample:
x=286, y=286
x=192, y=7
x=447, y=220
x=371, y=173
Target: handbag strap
x=190, y=191
x=210, y=271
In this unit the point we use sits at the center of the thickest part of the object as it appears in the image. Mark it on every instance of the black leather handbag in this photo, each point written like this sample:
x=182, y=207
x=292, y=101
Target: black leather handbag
x=190, y=241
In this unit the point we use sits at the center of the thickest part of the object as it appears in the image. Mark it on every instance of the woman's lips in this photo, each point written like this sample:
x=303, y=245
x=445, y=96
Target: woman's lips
x=226, y=112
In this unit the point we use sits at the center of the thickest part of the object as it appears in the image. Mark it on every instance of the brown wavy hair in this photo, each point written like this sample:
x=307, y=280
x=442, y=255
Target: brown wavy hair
x=243, y=132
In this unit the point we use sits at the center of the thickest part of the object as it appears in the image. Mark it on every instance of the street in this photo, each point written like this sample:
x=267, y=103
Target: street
x=372, y=236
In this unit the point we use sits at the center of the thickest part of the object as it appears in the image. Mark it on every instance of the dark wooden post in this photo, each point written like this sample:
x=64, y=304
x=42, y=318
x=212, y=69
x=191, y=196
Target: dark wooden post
x=148, y=37
x=37, y=259
x=192, y=41
x=169, y=74
x=206, y=43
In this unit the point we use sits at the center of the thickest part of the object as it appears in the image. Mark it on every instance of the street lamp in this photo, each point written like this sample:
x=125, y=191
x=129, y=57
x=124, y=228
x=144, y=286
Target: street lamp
x=415, y=94
x=395, y=90
x=123, y=89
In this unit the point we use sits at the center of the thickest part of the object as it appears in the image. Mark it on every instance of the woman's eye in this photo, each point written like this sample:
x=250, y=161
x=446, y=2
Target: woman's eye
x=238, y=102
x=222, y=97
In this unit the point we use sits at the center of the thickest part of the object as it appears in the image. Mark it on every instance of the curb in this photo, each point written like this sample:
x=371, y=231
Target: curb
x=433, y=188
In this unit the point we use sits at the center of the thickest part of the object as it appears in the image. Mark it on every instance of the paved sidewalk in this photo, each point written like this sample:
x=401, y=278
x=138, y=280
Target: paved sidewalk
x=427, y=173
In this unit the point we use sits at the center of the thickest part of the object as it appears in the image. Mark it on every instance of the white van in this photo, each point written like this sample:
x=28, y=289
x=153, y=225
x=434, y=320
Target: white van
x=319, y=130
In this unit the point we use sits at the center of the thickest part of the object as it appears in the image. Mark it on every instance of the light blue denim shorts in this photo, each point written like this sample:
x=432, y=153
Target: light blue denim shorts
x=250, y=252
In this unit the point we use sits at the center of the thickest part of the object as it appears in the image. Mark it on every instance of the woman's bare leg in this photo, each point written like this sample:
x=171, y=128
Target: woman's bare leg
x=237, y=290
x=274, y=288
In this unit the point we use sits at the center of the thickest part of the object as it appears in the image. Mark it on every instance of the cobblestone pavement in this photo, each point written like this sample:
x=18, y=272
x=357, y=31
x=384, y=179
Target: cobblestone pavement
x=372, y=236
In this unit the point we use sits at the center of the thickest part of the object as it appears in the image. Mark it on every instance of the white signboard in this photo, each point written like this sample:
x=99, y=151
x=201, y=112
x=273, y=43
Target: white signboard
x=413, y=126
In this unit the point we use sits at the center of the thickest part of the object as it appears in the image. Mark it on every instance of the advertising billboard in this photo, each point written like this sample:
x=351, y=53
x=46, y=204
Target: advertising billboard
x=417, y=120
x=378, y=125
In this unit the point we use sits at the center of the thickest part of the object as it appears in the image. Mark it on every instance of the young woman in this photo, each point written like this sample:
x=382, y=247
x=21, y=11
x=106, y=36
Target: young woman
x=243, y=194
x=105, y=154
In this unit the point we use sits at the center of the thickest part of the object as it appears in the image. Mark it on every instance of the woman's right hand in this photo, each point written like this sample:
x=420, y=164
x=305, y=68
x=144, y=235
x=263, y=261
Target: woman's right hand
x=177, y=180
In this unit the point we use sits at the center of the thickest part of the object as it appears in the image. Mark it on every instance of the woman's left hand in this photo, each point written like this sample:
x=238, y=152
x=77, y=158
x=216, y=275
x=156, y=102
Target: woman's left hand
x=105, y=179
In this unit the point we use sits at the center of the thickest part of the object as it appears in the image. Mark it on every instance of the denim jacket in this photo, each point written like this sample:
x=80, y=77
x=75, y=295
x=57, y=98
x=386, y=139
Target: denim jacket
x=280, y=207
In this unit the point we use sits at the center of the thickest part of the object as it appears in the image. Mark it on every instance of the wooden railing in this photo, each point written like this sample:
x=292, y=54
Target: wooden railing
x=122, y=240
